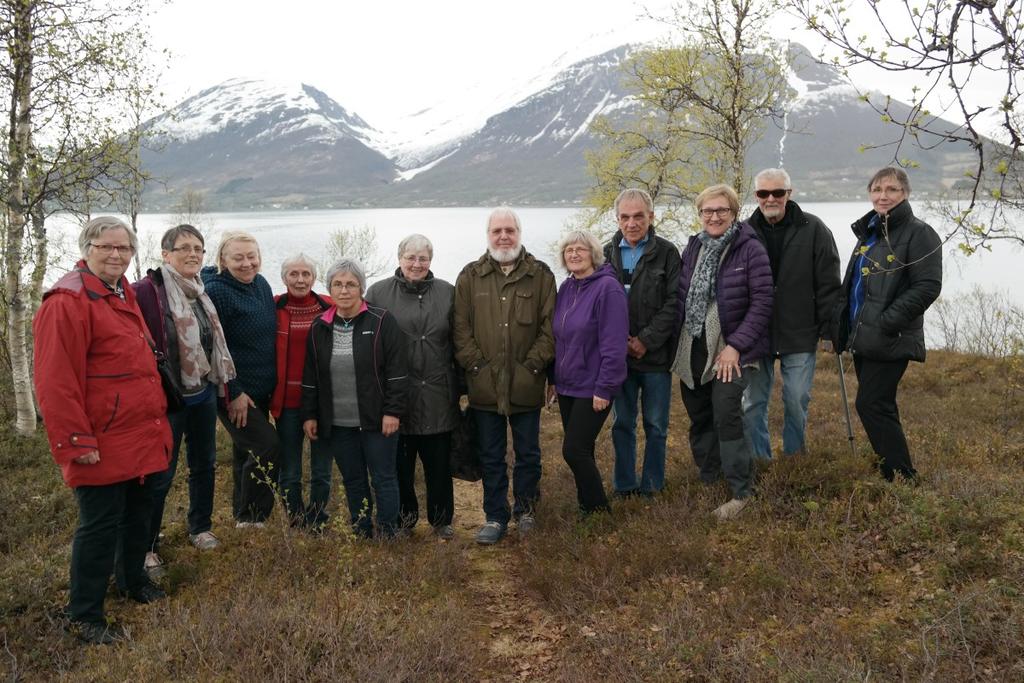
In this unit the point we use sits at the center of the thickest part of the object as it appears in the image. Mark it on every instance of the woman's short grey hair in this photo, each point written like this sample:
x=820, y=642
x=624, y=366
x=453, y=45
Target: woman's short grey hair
x=776, y=173
x=172, y=236
x=299, y=259
x=891, y=172
x=414, y=243
x=99, y=225
x=586, y=239
x=347, y=265
x=504, y=212
x=634, y=194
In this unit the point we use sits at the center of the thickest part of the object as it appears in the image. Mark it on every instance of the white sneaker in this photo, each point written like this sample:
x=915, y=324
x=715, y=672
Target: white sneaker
x=731, y=509
x=154, y=567
x=204, y=540
x=249, y=525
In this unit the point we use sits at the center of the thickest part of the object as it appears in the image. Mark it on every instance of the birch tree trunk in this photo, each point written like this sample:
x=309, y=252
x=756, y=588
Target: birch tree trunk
x=19, y=140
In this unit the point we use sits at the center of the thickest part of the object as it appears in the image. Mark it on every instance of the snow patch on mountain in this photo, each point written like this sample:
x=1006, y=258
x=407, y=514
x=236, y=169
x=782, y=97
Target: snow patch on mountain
x=238, y=102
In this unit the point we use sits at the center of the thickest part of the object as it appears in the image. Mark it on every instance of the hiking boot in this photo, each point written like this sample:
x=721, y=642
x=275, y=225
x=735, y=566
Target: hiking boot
x=490, y=533
x=445, y=532
x=731, y=509
x=204, y=540
x=154, y=567
x=526, y=523
x=96, y=632
x=146, y=593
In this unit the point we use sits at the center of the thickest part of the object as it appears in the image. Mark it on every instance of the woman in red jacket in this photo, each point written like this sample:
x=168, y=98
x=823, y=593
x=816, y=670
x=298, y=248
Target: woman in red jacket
x=105, y=413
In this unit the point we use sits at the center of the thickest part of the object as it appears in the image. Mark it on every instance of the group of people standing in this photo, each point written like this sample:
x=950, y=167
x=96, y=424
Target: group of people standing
x=372, y=377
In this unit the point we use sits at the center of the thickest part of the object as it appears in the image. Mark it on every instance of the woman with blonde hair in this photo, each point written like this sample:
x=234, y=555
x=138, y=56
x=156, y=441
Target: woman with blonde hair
x=725, y=307
x=245, y=305
x=591, y=326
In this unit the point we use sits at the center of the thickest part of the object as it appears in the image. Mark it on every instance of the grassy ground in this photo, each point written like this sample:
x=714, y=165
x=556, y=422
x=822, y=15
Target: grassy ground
x=831, y=575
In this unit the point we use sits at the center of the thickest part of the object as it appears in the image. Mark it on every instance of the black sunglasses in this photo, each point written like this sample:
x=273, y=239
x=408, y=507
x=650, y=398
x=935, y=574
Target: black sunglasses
x=778, y=194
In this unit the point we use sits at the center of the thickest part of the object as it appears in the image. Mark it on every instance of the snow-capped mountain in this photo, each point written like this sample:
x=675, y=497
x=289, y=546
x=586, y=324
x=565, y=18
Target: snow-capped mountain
x=245, y=139
x=255, y=144
x=420, y=139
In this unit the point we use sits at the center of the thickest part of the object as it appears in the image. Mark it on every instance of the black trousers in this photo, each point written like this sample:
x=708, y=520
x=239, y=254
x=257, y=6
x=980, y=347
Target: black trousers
x=581, y=425
x=716, y=425
x=878, y=382
x=113, y=525
x=256, y=463
x=433, y=451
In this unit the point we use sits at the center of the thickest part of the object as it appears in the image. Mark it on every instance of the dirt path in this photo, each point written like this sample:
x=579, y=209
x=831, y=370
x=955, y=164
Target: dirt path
x=518, y=632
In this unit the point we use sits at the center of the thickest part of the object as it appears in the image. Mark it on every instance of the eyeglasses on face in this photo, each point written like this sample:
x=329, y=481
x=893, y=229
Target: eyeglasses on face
x=708, y=213
x=345, y=286
x=190, y=250
x=411, y=258
x=778, y=194
x=573, y=251
x=108, y=249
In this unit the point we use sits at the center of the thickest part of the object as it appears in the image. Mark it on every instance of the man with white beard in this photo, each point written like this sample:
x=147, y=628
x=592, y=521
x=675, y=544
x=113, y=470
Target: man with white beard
x=503, y=306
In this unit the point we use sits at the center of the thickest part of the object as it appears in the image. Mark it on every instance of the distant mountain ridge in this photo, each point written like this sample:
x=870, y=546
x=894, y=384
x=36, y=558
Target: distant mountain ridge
x=251, y=144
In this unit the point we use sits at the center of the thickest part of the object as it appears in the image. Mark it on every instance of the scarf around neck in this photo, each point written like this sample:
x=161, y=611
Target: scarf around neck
x=705, y=276
x=196, y=368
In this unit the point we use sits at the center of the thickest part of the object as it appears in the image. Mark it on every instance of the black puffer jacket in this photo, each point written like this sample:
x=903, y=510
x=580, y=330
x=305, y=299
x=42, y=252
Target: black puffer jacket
x=897, y=290
x=652, y=300
x=424, y=313
x=805, y=271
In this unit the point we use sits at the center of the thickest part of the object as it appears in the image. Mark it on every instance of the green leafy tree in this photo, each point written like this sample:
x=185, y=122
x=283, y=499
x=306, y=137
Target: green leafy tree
x=702, y=101
x=62, y=71
x=966, y=58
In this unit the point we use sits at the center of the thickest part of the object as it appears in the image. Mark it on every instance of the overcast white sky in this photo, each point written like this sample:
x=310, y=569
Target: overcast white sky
x=387, y=58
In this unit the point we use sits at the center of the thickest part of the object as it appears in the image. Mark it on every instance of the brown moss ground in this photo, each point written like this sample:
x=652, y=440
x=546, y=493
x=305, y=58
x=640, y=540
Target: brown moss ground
x=831, y=575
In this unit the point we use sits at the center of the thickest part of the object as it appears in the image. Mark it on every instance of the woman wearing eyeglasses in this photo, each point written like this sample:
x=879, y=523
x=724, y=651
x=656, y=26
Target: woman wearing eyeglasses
x=725, y=306
x=105, y=415
x=893, y=277
x=353, y=400
x=591, y=329
x=245, y=304
x=185, y=328
x=422, y=305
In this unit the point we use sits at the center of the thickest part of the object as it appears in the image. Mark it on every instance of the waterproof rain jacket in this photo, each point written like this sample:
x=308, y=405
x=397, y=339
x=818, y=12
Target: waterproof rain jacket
x=423, y=311
x=652, y=300
x=97, y=382
x=743, y=292
x=503, y=332
x=806, y=277
x=905, y=277
x=591, y=324
x=379, y=355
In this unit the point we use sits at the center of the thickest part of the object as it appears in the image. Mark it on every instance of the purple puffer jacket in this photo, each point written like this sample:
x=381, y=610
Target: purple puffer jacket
x=591, y=323
x=743, y=292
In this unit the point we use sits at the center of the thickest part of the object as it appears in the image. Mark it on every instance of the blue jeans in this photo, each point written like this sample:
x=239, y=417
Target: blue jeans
x=289, y=432
x=797, y=378
x=197, y=424
x=654, y=390
x=367, y=462
x=492, y=440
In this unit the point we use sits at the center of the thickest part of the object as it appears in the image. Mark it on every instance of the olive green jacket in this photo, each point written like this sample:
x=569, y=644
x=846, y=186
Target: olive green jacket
x=503, y=332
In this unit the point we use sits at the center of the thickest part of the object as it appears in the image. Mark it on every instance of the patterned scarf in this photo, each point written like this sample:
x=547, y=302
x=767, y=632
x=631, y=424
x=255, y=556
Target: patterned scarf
x=196, y=368
x=702, y=284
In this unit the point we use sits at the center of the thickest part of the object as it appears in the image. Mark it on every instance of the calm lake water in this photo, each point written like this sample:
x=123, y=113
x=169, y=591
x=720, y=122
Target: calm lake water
x=458, y=237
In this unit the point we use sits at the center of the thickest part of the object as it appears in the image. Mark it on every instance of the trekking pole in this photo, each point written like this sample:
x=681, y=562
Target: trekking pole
x=846, y=404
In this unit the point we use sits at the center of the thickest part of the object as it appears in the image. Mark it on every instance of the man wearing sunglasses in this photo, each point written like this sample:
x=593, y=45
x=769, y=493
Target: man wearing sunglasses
x=805, y=269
